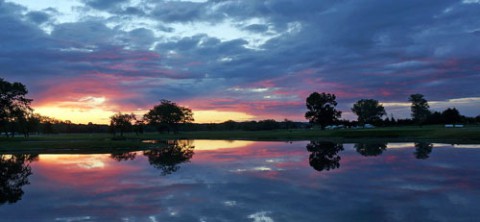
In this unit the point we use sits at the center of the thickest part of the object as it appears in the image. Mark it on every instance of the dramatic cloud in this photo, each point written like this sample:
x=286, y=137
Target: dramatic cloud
x=258, y=57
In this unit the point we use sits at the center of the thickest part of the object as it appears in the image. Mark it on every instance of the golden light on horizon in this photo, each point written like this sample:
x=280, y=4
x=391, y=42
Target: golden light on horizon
x=100, y=116
x=214, y=116
x=75, y=115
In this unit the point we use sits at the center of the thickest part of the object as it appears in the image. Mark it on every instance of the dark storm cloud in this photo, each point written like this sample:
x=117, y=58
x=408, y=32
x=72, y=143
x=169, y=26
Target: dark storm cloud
x=356, y=49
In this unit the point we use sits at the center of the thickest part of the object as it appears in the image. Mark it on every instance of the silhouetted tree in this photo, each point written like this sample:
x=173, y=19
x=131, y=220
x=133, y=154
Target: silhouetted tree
x=33, y=123
x=167, y=159
x=14, y=106
x=91, y=127
x=14, y=172
x=288, y=124
x=435, y=118
x=48, y=124
x=324, y=155
x=25, y=122
x=121, y=122
x=370, y=149
x=423, y=150
x=390, y=121
x=268, y=124
x=321, y=109
x=167, y=115
x=67, y=125
x=230, y=125
x=248, y=125
x=451, y=115
x=420, y=108
x=368, y=111
x=123, y=156
x=139, y=127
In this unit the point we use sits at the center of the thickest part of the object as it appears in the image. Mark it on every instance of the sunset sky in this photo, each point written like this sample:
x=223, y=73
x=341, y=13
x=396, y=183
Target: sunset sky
x=84, y=60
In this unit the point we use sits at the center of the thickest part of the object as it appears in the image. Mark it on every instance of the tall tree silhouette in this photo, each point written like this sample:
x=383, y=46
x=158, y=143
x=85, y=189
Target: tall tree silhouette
x=368, y=111
x=167, y=115
x=14, y=106
x=451, y=116
x=167, y=159
x=420, y=108
x=321, y=109
x=14, y=173
x=122, y=122
x=324, y=155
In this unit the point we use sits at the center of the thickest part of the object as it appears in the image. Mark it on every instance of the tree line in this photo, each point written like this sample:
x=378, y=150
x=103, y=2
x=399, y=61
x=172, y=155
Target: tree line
x=16, y=116
x=166, y=116
x=322, y=111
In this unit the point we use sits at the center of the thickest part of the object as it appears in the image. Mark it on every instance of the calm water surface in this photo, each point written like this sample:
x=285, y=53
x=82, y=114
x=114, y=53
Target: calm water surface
x=247, y=181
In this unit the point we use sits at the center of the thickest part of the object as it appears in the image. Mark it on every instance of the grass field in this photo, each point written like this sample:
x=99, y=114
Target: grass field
x=104, y=142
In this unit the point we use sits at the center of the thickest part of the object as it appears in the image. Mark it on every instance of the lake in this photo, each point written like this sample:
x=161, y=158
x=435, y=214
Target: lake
x=206, y=180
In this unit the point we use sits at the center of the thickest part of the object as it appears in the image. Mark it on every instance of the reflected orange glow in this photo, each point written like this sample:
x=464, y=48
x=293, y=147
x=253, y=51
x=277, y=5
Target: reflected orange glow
x=79, y=161
x=216, y=144
x=94, y=169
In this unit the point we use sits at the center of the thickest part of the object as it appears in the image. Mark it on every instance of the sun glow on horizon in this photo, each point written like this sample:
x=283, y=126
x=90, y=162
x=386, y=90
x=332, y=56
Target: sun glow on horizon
x=100, y=116
x=76, y=115
x=214, y=116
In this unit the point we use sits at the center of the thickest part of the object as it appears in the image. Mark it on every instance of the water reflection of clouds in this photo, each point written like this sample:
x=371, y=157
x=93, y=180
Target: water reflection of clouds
x=399, y=145
x=275, y=183
x=436, y=145
x=261, y=217
x=467, y=146
x=74, y=161
x=261, y=168
x=220, y=144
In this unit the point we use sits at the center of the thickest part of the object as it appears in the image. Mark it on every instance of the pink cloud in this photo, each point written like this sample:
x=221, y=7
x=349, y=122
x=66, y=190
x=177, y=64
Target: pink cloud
x=78, y=89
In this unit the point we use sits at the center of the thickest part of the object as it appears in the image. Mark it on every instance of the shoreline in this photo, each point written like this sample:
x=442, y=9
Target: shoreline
x=105, y=143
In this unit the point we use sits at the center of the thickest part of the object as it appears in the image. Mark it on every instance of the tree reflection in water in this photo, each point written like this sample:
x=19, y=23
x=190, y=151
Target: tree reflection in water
x=14, y=172
x=423, y=150
x=167, y=159
x=370, y=149
x=324, y=155
x=125, y=156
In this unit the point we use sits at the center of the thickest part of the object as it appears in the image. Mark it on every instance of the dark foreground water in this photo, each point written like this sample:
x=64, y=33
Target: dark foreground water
x=247, y=181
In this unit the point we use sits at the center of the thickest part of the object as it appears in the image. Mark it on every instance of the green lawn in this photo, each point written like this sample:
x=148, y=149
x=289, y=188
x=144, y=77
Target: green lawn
x=104, y=142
